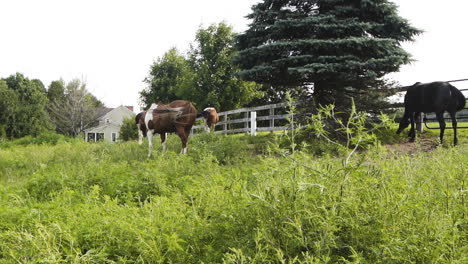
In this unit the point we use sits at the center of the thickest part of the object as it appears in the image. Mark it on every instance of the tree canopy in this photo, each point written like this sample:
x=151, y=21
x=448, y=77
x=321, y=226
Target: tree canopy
x=205, y=76
x=211, y=59
x=72, y=107
x=22, y=104
x=165, y=80
x=331, y=49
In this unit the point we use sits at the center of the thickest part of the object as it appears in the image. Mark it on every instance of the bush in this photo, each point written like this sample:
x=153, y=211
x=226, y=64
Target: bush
x=128, y=130
x=45, y=138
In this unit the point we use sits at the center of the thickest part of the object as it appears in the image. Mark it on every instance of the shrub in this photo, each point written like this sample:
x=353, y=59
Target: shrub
x=128, y=130
x=45, y=138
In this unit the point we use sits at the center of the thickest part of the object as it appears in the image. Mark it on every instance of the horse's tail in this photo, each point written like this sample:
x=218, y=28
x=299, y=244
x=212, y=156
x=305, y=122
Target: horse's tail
x=192, y=109
x=459, y=97
x=137, y=118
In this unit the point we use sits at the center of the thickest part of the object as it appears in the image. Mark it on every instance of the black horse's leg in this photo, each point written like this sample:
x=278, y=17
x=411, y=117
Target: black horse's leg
x=440, y=118
x=418, y=121
x=412, y=133
x=454, y=125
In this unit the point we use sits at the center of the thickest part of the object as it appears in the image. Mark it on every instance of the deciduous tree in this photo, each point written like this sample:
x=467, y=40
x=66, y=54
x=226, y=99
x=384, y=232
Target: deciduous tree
x=215, y=83
x=74, y=110
x=205, y=77
x=166, y=77
x=22, y=103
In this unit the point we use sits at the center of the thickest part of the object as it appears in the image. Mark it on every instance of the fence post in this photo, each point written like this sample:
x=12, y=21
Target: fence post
x=225, y=124
x=272, y=120
x=246, y=124
x=253, y=123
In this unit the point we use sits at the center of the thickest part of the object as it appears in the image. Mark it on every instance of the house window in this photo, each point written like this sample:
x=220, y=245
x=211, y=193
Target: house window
x=114, y=137
x=99, y=137
x=91, y=137
x=107, y=120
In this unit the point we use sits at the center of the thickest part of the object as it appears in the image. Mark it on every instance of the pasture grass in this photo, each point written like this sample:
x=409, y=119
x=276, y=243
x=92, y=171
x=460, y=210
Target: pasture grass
x=233, y=199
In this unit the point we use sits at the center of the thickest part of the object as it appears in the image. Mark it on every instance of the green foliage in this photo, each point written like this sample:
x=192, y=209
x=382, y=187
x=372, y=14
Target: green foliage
x=333, y=49
x=167, y=78
x=128, y=130
x=56, y=91
x=205, y=76
x=22, y=104
x=45, y=138
x=75, y=202
x=214, y=83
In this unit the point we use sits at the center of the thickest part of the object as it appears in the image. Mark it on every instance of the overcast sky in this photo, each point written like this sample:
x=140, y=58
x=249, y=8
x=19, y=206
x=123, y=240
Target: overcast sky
x=112, y=43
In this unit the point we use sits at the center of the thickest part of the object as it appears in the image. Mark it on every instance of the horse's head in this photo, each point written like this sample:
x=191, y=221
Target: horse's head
x=404, y=123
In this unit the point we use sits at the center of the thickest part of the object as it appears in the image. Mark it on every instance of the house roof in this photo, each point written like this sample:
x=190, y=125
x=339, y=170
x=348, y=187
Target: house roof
x=100, y=128
x=101, y=111
x=105, y=113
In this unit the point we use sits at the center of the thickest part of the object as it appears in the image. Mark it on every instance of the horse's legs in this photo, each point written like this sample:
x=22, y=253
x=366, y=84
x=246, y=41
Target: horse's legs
x=412, y=133
x=187, y=129
x=163, y=141
x=454, y=125
x=150, y=142
x=418, y=121
x=140, y=135
x=207, y=127
x=440, y=118
x=183, y=137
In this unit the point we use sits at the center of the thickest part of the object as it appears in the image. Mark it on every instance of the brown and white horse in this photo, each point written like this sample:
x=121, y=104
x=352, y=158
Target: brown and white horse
x=177, y=117
x=211, y=118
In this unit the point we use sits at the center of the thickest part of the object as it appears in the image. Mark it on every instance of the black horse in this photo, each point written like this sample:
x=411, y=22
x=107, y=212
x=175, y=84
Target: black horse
x=436, y=97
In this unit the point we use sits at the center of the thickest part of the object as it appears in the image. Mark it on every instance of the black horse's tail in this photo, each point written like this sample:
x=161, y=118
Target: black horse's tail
x=459, y=97
x=138, y=116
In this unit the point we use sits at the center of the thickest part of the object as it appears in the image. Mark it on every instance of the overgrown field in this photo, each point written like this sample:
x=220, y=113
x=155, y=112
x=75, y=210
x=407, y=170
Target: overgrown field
x=232, y=200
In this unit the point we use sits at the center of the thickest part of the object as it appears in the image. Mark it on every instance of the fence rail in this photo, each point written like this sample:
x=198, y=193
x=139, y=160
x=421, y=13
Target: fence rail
x=461, y=116
x=250, y=120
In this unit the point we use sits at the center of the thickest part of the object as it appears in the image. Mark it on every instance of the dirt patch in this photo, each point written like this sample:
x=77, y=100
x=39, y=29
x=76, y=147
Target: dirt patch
x=422, y=144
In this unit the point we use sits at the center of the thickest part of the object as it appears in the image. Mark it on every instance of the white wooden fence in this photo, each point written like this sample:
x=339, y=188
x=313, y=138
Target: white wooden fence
x=250, y=118
x=249, y=121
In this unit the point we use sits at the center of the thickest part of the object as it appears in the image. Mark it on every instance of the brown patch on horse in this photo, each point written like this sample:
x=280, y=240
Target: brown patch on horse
x=177, y=117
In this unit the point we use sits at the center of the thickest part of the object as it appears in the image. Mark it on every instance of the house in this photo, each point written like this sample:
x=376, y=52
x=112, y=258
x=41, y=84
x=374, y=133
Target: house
x=108, y=124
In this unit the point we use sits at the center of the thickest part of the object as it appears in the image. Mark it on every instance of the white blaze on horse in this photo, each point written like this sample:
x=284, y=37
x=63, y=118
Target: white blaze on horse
x=177, y=117
x=211, y=118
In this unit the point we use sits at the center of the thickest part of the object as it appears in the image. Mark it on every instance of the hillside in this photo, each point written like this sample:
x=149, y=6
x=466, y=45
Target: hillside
x=233, y=199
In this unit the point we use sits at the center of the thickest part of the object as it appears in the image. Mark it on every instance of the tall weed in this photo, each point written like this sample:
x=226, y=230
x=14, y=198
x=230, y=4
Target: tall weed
x=229, y=201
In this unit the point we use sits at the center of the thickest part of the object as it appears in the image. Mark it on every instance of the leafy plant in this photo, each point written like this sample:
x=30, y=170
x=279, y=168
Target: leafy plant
x=128, y=130
x=228, y=202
